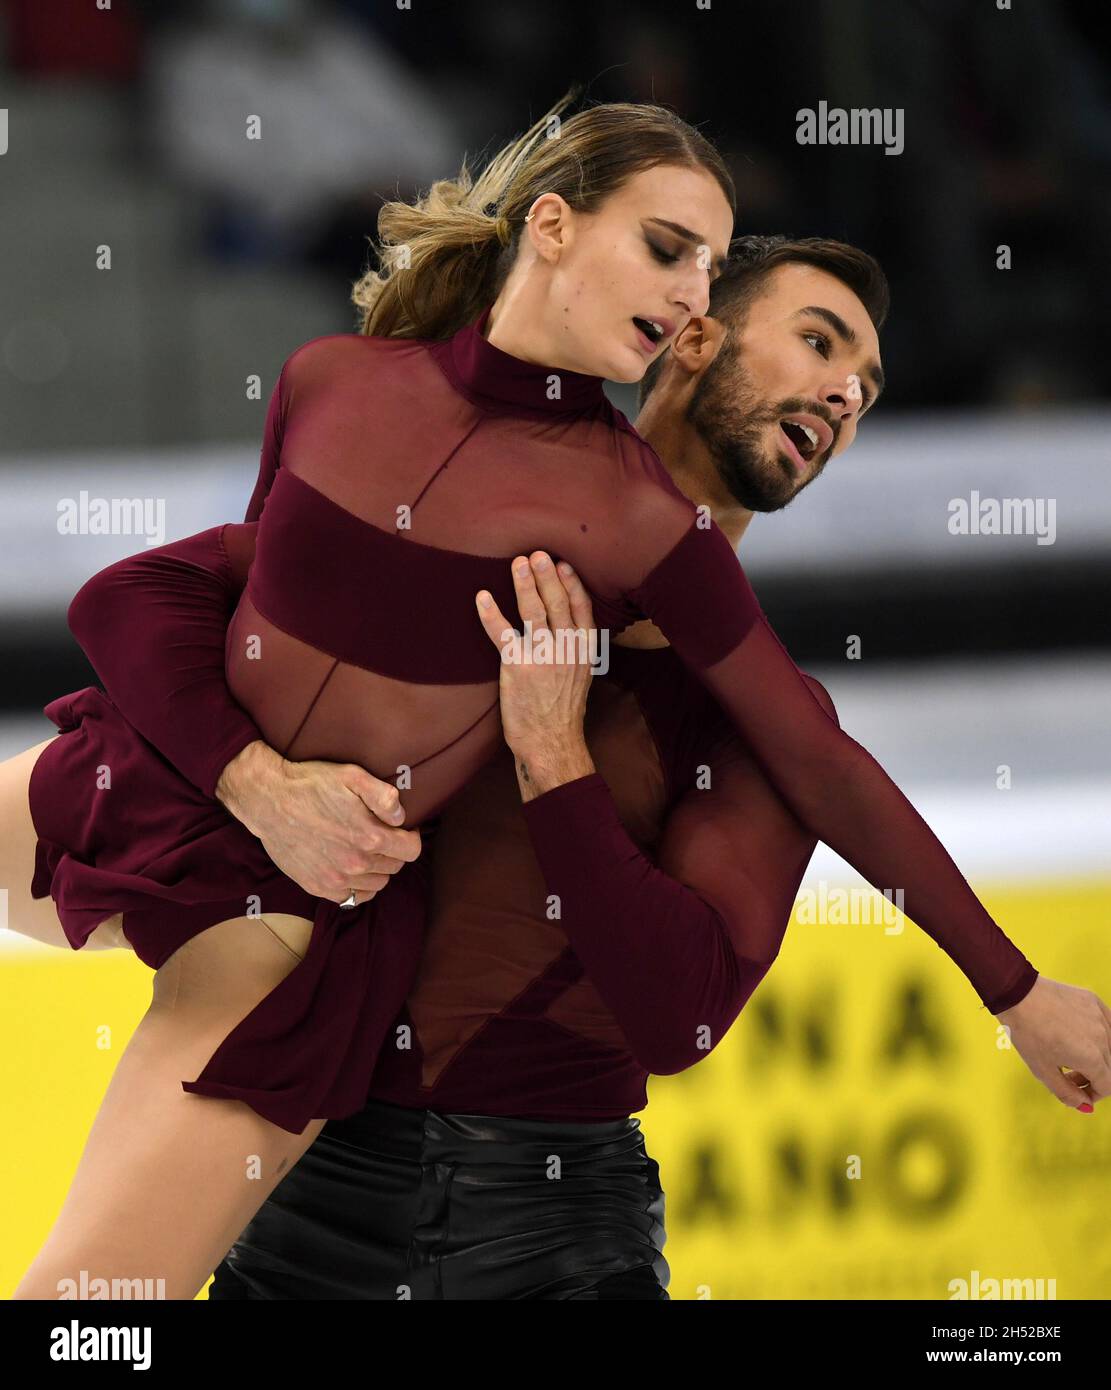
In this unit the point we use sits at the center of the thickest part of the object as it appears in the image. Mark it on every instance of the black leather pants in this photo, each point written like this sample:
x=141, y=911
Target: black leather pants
x=394, y=1203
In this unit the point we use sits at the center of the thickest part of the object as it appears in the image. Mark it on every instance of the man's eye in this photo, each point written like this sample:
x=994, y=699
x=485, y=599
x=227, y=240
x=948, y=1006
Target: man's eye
x=665, y=257
x=815, y=338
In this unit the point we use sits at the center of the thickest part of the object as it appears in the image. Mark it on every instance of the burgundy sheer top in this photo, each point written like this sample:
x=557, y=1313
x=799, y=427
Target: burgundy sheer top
x=398, y=478
x=674, y=888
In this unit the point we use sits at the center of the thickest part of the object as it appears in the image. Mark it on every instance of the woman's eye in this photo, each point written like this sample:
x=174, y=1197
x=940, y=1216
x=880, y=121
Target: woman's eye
x=665, y=257
x=818, y=338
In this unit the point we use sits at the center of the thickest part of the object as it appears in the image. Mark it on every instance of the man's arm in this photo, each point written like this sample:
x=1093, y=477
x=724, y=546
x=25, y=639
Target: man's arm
x=674, y=949
x=671, y=967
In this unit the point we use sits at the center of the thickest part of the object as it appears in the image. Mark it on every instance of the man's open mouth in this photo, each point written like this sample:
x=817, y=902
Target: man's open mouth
x=803, y=437
x=807, y=436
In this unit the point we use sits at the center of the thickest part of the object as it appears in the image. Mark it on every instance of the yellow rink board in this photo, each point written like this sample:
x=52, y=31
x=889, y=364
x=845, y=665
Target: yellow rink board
x=863, y=1051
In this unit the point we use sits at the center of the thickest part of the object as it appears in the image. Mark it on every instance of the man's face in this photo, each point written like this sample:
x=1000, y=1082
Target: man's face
x=788, y=386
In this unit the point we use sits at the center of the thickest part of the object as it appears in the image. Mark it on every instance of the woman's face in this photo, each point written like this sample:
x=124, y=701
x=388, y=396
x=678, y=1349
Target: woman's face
x=647, y=257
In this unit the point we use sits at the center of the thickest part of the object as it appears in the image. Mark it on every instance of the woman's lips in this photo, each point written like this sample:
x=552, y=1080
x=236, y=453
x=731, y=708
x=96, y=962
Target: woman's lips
x=646, y=343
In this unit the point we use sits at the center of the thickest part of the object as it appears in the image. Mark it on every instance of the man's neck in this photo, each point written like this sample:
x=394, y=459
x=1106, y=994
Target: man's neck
x=692, y=470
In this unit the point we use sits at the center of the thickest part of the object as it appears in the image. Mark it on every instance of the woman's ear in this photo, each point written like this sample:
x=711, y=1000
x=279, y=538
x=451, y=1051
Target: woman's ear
x=550, y=226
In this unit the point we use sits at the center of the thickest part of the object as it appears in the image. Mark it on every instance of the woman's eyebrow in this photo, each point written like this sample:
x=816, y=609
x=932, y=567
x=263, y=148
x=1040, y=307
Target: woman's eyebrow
x=687, y=235
x=848, y=336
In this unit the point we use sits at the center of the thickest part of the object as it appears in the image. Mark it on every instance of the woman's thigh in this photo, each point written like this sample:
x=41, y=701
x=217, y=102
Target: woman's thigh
x=168, y=1179
x=27, y=916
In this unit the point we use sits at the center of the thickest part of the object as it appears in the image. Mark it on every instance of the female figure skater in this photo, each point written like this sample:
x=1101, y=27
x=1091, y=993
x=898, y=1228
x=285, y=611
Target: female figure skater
x=382, y=448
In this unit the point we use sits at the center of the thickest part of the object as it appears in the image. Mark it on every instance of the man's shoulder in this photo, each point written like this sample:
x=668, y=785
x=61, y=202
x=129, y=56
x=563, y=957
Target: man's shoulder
x=687, y=724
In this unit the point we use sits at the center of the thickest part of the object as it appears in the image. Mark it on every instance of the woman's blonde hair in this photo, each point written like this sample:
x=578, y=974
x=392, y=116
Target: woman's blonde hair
x=443, y=258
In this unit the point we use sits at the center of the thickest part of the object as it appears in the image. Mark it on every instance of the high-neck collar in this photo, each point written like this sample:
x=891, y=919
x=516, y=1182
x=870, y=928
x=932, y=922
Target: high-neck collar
x=500, y=382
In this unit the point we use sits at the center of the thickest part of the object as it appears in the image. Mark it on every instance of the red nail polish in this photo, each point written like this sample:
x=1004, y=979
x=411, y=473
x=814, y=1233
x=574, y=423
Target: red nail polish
x=1086, y=1108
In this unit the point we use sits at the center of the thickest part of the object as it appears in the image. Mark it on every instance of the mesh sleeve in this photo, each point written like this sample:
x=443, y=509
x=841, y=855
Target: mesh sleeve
x=675, y=961
x=154, y=627
x=271, y=445
x=701, y=599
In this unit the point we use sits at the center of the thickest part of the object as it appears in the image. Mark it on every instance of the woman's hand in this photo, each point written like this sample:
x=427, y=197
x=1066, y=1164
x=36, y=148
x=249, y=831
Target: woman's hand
x=545, y=672
x=1060, y=1025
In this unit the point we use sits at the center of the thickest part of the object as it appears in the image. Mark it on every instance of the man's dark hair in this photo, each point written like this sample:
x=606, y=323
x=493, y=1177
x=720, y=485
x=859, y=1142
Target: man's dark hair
x=753, y=258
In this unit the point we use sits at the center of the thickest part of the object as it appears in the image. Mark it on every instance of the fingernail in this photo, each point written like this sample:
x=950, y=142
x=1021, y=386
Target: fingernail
x=1086, y=1108
x=542, y=563
x=522, y=569
x=565, y=568
x=484, y=599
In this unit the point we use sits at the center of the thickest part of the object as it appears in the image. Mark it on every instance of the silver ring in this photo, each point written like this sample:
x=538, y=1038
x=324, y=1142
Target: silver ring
x=349, y=901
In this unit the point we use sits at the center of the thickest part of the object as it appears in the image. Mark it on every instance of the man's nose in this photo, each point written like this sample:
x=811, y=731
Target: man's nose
x=844, y=398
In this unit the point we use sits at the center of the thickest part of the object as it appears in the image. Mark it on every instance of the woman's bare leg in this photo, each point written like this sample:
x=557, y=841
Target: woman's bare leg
x=169, y=1179
x=33, y=917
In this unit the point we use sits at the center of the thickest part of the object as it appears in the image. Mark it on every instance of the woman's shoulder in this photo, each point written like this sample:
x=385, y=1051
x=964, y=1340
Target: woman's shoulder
x=335, y=350
x=641, y=459
x=343, y=366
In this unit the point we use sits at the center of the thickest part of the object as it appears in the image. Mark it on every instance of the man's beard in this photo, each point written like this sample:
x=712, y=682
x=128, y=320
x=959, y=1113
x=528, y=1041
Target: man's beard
x=733, y=424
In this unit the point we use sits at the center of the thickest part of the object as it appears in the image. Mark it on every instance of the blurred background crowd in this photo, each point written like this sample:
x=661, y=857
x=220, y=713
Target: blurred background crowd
x=1008, y=120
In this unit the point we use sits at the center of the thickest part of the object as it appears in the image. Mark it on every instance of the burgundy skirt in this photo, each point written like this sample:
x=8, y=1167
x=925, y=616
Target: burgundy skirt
x=121, y=831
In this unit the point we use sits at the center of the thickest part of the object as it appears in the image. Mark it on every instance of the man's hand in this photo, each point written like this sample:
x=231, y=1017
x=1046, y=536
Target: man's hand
x=331, y=827
x=545, y=674
x=1060, y=1025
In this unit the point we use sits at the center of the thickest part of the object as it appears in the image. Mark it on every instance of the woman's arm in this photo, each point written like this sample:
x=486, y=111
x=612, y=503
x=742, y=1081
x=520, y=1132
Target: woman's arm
x=273, y=429
x=699, y=596
x=154, y=627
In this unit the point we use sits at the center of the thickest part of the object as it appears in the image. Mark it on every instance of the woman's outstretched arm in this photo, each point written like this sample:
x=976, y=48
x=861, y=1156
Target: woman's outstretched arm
x=702, y=601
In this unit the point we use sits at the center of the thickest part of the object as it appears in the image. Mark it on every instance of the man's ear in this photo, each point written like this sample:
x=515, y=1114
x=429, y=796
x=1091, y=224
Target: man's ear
x=697, y=344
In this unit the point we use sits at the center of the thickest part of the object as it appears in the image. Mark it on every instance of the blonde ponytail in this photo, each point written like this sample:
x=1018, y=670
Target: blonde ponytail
x=445, y=257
